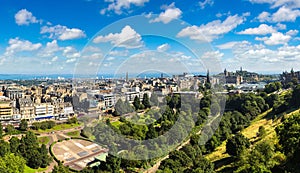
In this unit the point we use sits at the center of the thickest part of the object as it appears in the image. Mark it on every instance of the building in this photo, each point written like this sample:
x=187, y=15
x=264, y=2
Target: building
x=108, y=99
x=287, y=77
x=14, y=93
x=6, y=110
x=43, y=111
x=26, y=107
x=235, y=80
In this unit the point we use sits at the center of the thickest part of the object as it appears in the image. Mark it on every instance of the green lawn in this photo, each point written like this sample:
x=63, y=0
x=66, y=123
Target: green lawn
x=30, y=170
x=59, y=127
x=117, y=123
x=74, y=134
x=44, y=140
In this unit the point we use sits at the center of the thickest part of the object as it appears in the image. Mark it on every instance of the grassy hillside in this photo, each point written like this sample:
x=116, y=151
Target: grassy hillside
x=223, y=162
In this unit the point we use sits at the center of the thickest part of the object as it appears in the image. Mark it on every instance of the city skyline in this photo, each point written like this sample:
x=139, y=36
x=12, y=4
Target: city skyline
x=51, y=37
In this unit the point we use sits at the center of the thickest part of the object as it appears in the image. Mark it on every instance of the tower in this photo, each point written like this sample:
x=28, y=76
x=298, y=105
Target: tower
x=225, y=72
x=126, y=76
x=207, y=77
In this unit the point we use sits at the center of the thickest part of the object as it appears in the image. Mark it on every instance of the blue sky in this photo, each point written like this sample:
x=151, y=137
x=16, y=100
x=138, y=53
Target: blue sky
x=116, y=36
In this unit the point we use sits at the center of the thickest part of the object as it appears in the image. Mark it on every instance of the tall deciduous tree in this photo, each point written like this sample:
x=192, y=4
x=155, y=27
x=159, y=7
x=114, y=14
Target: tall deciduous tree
x=12, y=163
x=4, y=148
x=14, y=143
x=237, y=144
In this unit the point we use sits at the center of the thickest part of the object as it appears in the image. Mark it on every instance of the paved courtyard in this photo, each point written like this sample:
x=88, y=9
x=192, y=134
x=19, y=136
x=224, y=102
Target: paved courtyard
x=77, y=153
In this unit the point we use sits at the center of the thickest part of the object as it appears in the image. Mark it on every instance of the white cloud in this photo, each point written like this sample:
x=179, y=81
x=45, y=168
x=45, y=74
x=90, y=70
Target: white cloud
x=212, y=30
x=54, y=59
x=260, y=58
x=17, y=45
x=263, y=29
x=91, y=49
x=283, y=14
x=205, y=3
x=278, y=3
x=287, y=3
x=118, y=5
x=110, y=58
x=280, y=26
x=70, y=52
x=127, y=38
x=50, y=49
x=292, y=32
x=62, y=32
x=228, y=45
x=24, y=17
x=212, y=54
x=264, y=16
x=71, y=60
x=262, y=1
x=275, y=39
x=171, y=13
x=119, y=53
x=163, y=47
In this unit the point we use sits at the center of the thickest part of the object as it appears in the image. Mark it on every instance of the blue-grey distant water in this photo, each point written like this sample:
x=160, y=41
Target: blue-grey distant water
x=71, y=76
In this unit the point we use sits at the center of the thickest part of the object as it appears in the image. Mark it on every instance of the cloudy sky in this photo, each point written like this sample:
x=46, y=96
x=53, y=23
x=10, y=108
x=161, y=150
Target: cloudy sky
x=110, y=36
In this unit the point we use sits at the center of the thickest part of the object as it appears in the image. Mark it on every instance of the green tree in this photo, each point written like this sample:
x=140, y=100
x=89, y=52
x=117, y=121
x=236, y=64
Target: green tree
x=119, y=108
x=14, y=144
x=12, y=163
x=202, y=165
x=295, y=96
x=154, y=99
x=10, y=129
x=23, y=125
x=261, y=132
x=1, y=130
x=72, y=120
x=4, y=148
x=136, y=102
x=112, y=164
x=60, y=169
x=237, y=144
x=146, y=101
x=289, y=134
x=260, y=159
x=128, y=107
x=46, y=159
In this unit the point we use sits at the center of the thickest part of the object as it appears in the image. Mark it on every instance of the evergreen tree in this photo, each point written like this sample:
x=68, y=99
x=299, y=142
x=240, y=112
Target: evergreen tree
x=136, y=102
x=46, y=159
x=128, y=107
x=154, y=99
x=146, y=101
x=119, y=108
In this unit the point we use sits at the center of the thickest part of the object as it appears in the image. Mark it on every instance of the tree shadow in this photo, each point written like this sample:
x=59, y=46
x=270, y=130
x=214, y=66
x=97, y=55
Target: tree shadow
x=222, y=162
